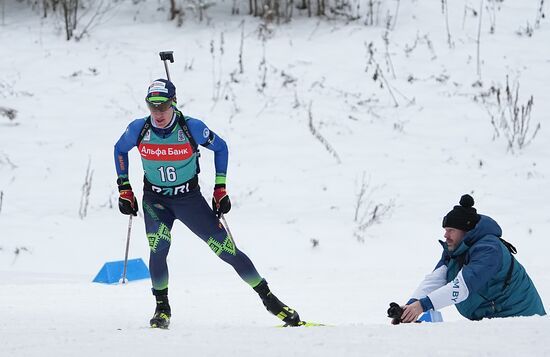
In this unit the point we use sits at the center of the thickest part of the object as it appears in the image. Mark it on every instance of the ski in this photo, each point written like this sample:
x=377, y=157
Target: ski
x=302, y=324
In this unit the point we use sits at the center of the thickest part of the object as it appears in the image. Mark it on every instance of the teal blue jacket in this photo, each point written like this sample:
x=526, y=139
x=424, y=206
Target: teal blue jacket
x=483, y=278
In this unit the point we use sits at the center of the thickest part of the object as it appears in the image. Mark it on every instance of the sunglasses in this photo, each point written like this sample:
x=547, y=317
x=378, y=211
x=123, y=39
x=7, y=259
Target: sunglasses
x=159, y=106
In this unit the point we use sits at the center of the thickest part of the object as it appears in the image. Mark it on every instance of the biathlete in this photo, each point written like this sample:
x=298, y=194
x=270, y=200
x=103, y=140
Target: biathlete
x=168, y=144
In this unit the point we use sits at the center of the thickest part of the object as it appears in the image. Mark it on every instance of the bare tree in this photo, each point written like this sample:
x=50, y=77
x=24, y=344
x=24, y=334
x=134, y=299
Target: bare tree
x=368, y=212
x=319, y=137
x=86, y=188
x=321, y=7
x=69, y=11
x=509, y=118
x=398, y=2
x=264, y=32
x=386, y=39
x=370, y=13
x=345, y=9
x=94, y=14
x=288, y=10
x=540, y=14
x=217, y=68
x=421, y=40
x=75, y=14
x=378, y=75
x=373, y=12
x=241, y=46
x=478, y=40
x=199, y=7
x=492, y=8
x=445, y=8
x=175, y=9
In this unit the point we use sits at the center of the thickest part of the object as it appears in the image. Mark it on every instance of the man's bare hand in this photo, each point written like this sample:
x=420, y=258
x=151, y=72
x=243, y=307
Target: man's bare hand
x=411, y=312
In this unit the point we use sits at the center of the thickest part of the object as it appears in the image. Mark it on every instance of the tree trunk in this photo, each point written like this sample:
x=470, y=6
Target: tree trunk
x=172, y=9
x=75, y=10
x=67, y=17
x=289, y=5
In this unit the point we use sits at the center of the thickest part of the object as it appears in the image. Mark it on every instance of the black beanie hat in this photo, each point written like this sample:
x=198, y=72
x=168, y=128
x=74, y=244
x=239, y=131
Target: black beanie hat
x=463, y=217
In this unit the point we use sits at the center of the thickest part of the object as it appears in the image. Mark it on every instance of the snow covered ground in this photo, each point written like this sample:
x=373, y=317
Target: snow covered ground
x=415, y=155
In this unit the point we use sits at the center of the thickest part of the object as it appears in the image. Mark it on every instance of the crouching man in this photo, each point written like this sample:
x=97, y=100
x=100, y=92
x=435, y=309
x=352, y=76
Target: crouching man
x=477, y=272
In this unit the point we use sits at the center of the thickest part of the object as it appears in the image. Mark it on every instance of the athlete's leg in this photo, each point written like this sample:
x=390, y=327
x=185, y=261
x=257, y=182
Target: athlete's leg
x=196, y=214
x=158, y=223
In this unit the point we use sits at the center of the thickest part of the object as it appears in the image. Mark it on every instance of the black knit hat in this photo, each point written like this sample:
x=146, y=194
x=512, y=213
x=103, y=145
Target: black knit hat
x=463, y=217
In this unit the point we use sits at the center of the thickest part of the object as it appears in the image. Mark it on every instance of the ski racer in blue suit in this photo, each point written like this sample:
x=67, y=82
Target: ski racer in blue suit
x=168, y=142
x=477, y=272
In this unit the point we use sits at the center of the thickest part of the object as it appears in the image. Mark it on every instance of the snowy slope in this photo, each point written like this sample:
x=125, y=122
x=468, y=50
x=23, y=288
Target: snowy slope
x=74, y=99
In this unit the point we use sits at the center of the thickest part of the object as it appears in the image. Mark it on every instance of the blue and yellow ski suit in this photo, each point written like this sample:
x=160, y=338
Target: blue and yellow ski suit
x=171, y=190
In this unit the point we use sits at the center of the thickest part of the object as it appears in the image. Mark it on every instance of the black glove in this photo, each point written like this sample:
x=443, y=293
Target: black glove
x=127, y=202
x=220, y=201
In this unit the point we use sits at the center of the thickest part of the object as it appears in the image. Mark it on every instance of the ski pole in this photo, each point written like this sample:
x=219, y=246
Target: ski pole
x=127, y=248
x=226, y=226
x=167, y=56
